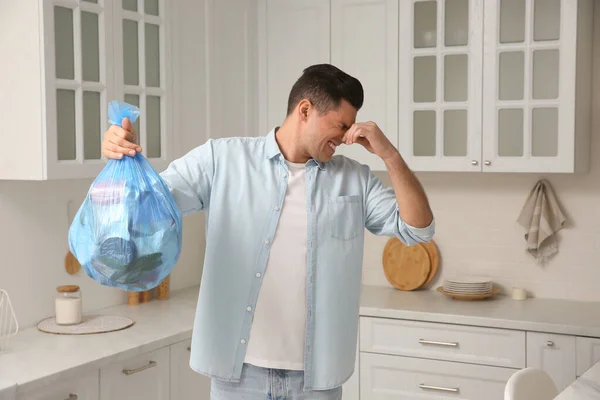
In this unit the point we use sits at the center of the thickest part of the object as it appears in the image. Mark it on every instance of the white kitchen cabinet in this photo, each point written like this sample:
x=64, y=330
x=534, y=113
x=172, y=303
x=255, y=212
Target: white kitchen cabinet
x=292, y=35
x=537, y=66
x=467, y=344
x=185, y=382
x=527, y=108
x=385, y=377
x=364, y=43
x=440, y=84
x=351, y=389
x=144, y=377
x=69, y=58
x=588, y=353
x=554, y=354
x=142, y=66
x=85, y=387
x=232, y=53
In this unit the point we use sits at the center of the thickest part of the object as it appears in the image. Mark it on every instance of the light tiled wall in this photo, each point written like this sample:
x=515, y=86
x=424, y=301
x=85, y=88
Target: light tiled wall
x=477, y=232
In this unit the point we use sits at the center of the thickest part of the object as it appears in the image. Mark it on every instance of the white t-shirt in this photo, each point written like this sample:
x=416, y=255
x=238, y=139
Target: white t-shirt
x=278, y=327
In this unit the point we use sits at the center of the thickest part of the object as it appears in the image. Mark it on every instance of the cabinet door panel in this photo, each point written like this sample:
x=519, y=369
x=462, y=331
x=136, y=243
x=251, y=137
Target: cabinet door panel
x=529, y=82
x=292, y=36
x=145, y=377
x=555, y=354
x=364, y=43
x=185, y=382
x=440, y=84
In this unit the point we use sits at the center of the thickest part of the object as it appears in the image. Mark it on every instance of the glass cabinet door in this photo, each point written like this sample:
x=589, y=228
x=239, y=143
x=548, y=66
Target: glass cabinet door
x=79, y=83
x=141, y=70
x=440, y=84
x=526, y=82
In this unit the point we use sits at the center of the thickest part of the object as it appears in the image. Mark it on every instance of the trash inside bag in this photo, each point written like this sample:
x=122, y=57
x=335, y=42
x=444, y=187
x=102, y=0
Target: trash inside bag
x=127, y=233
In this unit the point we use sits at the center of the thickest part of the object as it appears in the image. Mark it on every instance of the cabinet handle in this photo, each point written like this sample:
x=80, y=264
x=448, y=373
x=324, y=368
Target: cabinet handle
x=72, y=397
x=487, y=162
x=435, y=343
x=136, y=370
x=474, y=162
x=438, y=388
x=550, y=343
x=189, y=348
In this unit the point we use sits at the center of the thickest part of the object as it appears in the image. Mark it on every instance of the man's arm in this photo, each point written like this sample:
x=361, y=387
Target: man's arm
x=188, y=178
x=411, y=198
x=415, y=222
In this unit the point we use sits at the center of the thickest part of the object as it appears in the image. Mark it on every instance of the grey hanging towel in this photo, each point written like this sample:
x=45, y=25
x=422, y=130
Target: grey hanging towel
x=542, y=218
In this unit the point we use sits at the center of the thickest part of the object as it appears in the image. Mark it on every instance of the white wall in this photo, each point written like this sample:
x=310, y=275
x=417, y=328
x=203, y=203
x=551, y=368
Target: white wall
x=477, y=232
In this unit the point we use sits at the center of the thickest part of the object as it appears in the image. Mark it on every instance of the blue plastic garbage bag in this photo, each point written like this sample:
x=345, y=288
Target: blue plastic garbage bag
x=127, y=233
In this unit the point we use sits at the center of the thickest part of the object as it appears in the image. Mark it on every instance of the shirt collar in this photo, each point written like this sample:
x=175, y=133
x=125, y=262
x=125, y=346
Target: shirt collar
x=272, y=149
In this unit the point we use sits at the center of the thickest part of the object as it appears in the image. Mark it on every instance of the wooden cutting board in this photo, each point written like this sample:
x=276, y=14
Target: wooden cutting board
x=434, y=258
x=405, y=267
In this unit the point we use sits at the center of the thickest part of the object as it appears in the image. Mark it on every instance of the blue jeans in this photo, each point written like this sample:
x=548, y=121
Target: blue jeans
x=269, y=384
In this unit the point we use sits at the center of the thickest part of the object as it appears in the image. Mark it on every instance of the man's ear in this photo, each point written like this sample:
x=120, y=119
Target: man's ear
x=304, y=108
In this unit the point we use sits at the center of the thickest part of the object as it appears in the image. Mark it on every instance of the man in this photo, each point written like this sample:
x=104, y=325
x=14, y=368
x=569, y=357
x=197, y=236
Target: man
x=277, y=313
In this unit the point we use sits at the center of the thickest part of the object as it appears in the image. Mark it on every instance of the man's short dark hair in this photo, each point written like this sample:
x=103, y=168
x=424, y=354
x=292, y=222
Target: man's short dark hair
x=325, y=86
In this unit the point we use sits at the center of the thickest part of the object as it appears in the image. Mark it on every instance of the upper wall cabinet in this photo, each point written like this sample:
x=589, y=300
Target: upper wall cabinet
x=456, y=85
x=292, y=35
x=440, y=84
x=364, y=43
x=68, y=59
x=526, y=108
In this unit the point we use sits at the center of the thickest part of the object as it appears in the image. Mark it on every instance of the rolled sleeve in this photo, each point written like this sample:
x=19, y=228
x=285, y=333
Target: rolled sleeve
x=382, y=215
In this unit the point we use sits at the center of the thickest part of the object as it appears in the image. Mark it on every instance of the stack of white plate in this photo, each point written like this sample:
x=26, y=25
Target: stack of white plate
x=468, y=285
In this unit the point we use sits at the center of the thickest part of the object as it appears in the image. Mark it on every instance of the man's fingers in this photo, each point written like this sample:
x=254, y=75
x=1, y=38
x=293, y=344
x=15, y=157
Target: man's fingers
x=123, y=138
x=117, y=148
x=111, y=154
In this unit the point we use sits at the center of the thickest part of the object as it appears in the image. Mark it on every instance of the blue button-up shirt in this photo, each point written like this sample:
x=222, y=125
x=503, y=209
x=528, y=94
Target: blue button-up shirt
x=240, y=183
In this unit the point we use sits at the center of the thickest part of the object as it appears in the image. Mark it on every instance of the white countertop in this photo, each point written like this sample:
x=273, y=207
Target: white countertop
x=586, y=387
x=37, y=358
x=541, y=315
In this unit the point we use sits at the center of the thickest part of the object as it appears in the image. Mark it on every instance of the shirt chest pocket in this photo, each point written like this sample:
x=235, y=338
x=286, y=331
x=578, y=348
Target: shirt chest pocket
x=345, y=217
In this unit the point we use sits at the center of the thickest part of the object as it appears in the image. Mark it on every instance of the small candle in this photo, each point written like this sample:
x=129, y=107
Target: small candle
x=519, y=293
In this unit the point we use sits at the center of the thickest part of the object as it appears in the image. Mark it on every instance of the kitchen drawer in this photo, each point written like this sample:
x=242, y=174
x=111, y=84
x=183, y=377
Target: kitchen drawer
x=384, y=377
x=84, y=387
x=143, y=377
x=588, y=353
x=476, y=345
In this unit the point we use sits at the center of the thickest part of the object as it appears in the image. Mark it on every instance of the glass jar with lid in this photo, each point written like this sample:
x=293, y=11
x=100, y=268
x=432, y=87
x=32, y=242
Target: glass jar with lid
x=68, y=305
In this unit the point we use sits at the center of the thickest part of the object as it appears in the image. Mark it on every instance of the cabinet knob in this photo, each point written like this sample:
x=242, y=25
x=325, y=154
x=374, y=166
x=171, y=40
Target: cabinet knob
x=474, y=162
x=486, y=162
x=72, y=397
x=550, y=343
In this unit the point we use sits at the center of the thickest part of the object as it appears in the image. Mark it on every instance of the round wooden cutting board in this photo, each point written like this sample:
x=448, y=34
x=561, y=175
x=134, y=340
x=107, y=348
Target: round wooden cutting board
x=434, y=258
x=405, y=267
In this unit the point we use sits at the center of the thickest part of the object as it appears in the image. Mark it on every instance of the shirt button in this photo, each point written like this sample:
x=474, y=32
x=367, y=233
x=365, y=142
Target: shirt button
x=249, y=308
x=284, y=175
x=243, y=341
x=276, y=208
x=267, y=241
x=258, y=274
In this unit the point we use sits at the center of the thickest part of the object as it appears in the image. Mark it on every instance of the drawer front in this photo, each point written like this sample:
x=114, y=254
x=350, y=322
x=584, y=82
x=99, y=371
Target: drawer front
x=146, y=376
x=476, y=345
x=385, y=377
x=85, y=387
x=588, y=353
